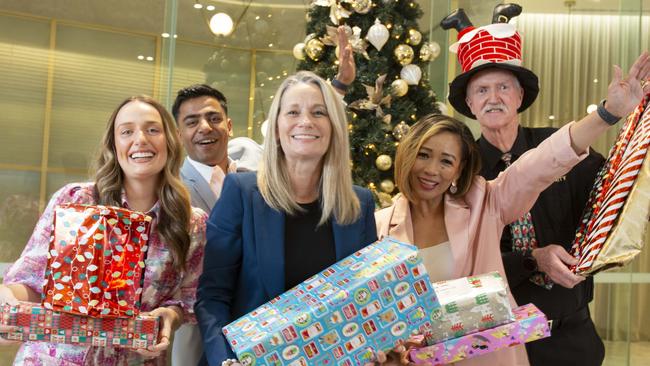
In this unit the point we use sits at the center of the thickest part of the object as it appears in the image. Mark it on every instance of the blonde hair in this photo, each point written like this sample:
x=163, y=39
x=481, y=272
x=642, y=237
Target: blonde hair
x=336, y=193
x=175, y=211
x=427, y=127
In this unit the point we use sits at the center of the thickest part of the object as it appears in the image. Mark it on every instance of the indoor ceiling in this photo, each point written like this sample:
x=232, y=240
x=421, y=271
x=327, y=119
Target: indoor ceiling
x=268, y=24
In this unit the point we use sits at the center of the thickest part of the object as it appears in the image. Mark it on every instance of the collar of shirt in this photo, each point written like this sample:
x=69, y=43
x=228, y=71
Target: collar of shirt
x=492, y=155
x=206, y=170
x=153, y=211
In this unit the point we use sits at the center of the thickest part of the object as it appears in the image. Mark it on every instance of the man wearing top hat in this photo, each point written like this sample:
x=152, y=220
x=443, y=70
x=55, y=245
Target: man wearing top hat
x=493, y=89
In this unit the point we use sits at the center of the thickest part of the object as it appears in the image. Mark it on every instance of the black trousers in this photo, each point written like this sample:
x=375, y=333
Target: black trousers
x=575, y=343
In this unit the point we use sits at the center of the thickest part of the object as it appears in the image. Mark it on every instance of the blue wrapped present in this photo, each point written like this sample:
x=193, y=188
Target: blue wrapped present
x=368, y=301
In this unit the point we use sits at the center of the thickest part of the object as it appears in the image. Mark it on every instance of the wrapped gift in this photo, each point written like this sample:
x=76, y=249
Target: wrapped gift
x=365, y=302
x=613, y=227
x=96, y=261
x=468, y=305
x=530, y=324
x=36, y=323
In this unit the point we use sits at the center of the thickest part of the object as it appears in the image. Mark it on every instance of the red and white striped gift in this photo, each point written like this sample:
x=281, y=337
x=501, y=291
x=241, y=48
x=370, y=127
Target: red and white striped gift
x=610, y=196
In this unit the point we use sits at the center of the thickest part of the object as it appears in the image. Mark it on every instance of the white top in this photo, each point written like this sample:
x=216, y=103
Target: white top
x=438, y=261
x=206, y=170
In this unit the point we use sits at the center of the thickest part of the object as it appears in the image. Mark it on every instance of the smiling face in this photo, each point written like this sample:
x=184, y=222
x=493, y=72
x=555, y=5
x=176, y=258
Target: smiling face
x=303, y=124
x=140, y=142
x=493, y=96
x=438, y=163
x=204, y=128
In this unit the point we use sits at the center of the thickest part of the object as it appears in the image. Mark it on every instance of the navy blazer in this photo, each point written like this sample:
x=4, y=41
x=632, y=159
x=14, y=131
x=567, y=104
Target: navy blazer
x=243, y=265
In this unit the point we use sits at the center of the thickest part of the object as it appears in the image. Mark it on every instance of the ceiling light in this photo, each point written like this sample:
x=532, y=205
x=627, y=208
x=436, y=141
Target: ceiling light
x=140, y=57
x=198, y=6
x=595, y=80
x=270, y=44
x=551, y=117
x=165, y=35
x=221, y=24
x=149, y=58
x=257, y=17
x=210, y=7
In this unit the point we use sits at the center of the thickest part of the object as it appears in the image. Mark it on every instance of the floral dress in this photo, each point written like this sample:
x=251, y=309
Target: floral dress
x=163, y=285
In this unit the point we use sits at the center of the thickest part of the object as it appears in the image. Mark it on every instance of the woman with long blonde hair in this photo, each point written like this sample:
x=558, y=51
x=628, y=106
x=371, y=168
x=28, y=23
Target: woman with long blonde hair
x=137, y=168
x=297, y=216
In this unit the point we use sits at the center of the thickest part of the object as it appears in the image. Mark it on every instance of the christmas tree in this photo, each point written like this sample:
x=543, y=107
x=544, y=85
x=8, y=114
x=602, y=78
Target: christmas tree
x=390, y=92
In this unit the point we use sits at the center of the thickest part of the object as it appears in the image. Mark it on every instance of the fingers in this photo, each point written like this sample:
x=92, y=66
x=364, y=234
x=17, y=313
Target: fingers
x=155, y=350
x=343, y=37
x=565, y=257
x=618, y=75
x=638, y=65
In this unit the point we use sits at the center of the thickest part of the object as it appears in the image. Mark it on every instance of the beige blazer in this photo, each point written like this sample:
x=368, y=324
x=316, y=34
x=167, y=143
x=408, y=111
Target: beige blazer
x=475, y=221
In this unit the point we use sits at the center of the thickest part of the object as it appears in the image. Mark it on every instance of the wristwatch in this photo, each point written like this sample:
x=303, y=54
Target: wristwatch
x=605, y=115
x=529, y=262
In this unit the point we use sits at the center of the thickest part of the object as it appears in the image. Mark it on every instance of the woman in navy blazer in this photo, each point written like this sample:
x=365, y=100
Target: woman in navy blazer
x=304, y=175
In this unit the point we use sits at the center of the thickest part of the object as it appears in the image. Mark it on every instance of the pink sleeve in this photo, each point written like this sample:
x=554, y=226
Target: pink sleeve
x=29, y=269
x=516, y=189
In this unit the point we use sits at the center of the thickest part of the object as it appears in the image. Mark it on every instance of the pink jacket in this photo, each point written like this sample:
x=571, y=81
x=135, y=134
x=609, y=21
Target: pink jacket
x=475, y=222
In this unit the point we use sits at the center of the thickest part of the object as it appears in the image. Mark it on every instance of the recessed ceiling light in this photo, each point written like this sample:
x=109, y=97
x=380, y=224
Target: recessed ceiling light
x=270, y=44
x=257, y=17
x=198, y=6
x=595, y=80
x=140, y=57
x=210, y=7
x=551, y=117
x=149, y=58
x=165, y=35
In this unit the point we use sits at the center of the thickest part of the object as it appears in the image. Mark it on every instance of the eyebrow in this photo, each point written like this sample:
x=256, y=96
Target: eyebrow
x=443, y=153
x=196, y=115
x=129, y=123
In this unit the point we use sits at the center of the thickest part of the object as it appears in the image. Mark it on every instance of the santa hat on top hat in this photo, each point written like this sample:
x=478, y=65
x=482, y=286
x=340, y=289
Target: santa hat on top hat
x=497, y=45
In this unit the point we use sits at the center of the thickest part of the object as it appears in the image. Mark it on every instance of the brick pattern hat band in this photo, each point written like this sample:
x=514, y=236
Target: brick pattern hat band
x=496, y=45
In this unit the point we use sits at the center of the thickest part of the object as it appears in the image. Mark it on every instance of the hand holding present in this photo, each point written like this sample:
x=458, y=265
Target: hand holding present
x=171, y=318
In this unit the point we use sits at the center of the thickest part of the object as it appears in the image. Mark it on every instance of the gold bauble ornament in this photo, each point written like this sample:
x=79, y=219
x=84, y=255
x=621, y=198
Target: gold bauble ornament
x=426, y=54
x=414, y=37
x=404, y=54
x=400, y=130
x=387, y=186
x=383, y=162
x=361, y=6
x=399, y=88
x=314, y=48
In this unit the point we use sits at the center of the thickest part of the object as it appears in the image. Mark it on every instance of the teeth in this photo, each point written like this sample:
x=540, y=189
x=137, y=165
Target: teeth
x=205, y=142
x=310, y=137
x=141, y=155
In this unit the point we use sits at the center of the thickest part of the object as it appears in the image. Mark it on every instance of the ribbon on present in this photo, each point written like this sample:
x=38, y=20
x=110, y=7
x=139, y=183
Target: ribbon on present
x=611, y=232
x=468, y=305
x=96, y=261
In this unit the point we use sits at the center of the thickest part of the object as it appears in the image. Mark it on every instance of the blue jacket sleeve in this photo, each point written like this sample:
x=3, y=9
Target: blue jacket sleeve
x=368, y=207
x=221, y=265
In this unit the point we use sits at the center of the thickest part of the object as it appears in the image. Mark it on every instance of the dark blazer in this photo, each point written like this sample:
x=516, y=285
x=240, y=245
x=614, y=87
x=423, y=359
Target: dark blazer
x=244, y=257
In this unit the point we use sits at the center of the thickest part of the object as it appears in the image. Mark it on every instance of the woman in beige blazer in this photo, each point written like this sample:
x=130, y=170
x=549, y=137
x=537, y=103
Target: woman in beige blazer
x=456, y=217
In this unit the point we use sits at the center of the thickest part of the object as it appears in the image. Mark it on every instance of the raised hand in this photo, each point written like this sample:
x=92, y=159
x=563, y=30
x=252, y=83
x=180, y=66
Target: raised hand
x=347, y=68
x=624, y=94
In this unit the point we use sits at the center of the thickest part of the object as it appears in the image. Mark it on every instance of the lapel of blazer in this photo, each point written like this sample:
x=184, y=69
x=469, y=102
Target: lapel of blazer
x=457, y=215
x=401, y=226
x=269, y=242
x=199, y=187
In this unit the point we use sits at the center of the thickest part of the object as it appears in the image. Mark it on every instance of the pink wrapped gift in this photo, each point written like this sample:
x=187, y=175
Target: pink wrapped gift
x=530, y=324
x=35, y=323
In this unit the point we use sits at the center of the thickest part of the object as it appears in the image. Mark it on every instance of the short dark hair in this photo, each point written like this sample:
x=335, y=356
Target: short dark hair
x=428, y=126
x=196, y=91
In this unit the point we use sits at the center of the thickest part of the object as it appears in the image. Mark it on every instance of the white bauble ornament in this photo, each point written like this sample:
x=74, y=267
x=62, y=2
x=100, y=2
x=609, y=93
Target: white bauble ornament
x=411, y=74
x=378, y=35
x=299, y=51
